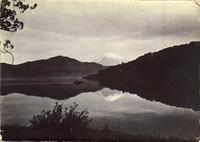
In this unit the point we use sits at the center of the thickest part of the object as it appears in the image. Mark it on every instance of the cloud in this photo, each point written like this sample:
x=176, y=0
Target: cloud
x=88, y=29
x=132, y=19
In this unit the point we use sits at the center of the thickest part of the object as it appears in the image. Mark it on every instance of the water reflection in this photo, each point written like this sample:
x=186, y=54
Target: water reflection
x=124, y=112
x=55, y=90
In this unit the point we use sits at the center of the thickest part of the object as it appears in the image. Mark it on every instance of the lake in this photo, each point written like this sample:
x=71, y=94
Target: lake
x=121, y=111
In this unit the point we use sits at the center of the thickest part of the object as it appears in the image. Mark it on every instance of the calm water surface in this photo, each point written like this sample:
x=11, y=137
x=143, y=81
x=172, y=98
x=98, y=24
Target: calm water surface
x=124, y=112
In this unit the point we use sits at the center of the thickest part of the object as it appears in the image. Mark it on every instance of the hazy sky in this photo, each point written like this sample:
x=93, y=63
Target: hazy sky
x=88, y=29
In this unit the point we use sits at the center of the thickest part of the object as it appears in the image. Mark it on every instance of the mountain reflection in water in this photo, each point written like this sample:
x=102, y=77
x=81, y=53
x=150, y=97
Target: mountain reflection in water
x=124, y=112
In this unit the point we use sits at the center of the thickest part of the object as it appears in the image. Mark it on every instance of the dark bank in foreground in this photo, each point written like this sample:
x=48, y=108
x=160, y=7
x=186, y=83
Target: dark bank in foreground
x=71, y=124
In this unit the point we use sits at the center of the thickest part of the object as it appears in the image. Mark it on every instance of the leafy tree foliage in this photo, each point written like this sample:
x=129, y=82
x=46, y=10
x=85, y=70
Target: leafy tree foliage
x=68, y=119
x=9, y=22
x=9, y=11
x=6, y=45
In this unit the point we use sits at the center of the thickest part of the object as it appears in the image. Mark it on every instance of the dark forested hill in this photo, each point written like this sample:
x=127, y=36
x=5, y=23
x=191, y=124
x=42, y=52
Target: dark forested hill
x=170, y=76
x=53, y=68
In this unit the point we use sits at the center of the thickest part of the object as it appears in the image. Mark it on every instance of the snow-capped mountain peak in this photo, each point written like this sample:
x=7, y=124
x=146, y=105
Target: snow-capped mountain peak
x=110, y=59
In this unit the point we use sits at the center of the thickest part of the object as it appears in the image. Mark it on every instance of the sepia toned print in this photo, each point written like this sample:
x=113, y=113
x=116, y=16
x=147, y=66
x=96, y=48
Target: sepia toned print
x=100, y=70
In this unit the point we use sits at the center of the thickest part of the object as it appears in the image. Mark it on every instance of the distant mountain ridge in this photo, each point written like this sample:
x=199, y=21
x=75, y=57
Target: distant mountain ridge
x=170, y=76
x=55, y=67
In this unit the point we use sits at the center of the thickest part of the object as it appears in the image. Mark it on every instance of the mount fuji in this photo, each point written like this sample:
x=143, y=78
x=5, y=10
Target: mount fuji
x=110, y=59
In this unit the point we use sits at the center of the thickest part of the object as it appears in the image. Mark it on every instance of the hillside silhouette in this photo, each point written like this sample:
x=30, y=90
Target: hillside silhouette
x=52, y=69
x=170, y=76
x=54, y=78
